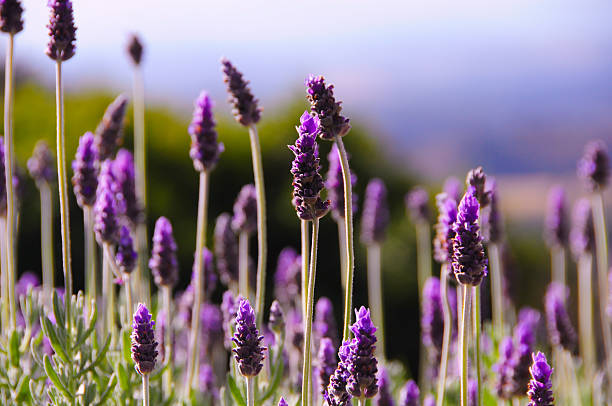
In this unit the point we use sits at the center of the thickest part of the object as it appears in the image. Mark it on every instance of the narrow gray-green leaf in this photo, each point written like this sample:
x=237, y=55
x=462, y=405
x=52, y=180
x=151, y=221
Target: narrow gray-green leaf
x=55, y=379
x=235, y=391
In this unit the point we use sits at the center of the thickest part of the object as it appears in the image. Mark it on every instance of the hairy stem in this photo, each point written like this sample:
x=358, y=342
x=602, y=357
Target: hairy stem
x=46, y=236
x=342, y=247
x=496, y=290
x=375, y=295
x=127, y=286
x=108, y=293
x=477, y=328
x=464, y=344
x=145, y=390
x=199, y=281
x=306, y=372
x=243, y=265
x=169, y=353
x=250, y=391
x=90, y=253
x=348, y=225
x=305, y=255
x=585, y=312
x=446, y=338
x=557, y=256
x=262, y=246
x=423, y=253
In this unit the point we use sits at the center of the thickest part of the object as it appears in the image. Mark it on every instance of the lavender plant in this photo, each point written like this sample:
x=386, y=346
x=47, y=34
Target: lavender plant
x=556, y=231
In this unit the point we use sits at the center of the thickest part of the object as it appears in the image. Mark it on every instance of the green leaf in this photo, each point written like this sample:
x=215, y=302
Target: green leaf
x=122, y=374
x=13, y=349
x=55, y=379
x=58, y=310
x=126, y=346
x=22, y=389
x=109, y=390
x=98, y=359
x=90, y=329
x=235, y=391
x=58, y=346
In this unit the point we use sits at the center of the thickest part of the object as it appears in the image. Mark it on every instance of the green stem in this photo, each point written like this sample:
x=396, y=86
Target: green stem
x=477, y=327
x=496, y=290
x=463, y=344
x=348, y=224
x=199, y=281
x=169, y=353
x=557, y=254
x=585, y=312
x=250, y=391
x=4, y=287
x=423, y=253
x=375, y=295
x=342, y=247
x=243, y=265
x=63, y=189
x=128, y=297
x=108, y=293
x=46, y=236
x=306, y=372
x=305, y=255
x=90, y=254
x=446, y=338
x=262, y=246
x=601, y=249
x=145, y=390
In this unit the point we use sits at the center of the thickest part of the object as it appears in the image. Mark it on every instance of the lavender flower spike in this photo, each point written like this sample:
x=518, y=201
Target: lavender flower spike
x=594, y=167
x=126, y=257
x=385, y=397
x=276, y=322
x=362, y=364
x=135, y=49
x=469, y=262
x=556, y=225
x=477, y=178
x=326, y=362
x=205, y=149
x=123, y=170
x=226, y=249
x=447, y=215
x=375, y=217
x=560, y=329
x=582, y=235
x=417, y=203
x=106, y=225
x=540, y=387
x=10, y=16
x=335, y=185
x=325, y=322
x=282, y=402
x=143, y=341
x=493, y=220
x=410, y=394
x=109, y=131
x=85, y=168
x=453, y=188
x=41, y=163
x=336, y=393
x=245, y=211
x=432, y=319
x=323, y=104
x=62, y=31
x=307, y=181
x=245, y=110
x=249, y=351
x=163, y=262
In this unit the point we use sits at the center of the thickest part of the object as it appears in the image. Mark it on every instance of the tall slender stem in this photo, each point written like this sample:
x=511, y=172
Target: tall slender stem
x=145, y=390
x=199, y=285
x=306, y=372
x=129, y=307
x=108, y=287
x=601, y=249
x=423, y=253
x=262, y=245
x=250, y=391
x=585, y=312
x=46, y=236
x=243, y=265
x=375, y=295
x=169, y=353
x=463, y=344
x=477, y=328
x=63, y=189
x=90, y=254
x=557, y=256
x=446, y=338
x=305, y=256
x=4, y=281
x=348, y=224
x=342, y=248
x=496, y=290
x=140, y=157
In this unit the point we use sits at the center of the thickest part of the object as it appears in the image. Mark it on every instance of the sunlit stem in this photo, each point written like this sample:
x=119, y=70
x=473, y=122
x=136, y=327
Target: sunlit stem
x=108, y=293
x=464, y=344
x=585, y=312
x=423, y=240
x=571, y=371
x=250, y=388
x=199, y=281
x=90, y=253
x=63, y=190
x=342, y=247
x=46, y=237
x=375, y=295
x=496, y=290
x=305, y=256
x=306, y=372
x=127, y=286
x=145, y=390
x=169, y=350
x=262, y=246
x=477, y=328
x=557, y=256
x=243, y=264
x=446, y=338
x=348, y=224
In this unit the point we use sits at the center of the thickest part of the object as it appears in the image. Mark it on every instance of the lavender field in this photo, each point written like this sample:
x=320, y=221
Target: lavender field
x=282, y=258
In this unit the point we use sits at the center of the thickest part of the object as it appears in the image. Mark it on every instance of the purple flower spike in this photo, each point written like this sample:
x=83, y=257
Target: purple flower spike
x=26, y=281
x=110, y=130
x=384, y=398
x=469, y=262
x=135, y=49
x=106, y=224
x=325, y=322
x=432, y=321
x=477, y=179
x=2, y=180
x=163, y=262
x=287, y=277
x=307, y=181
x=85, y=168
x=209, y=273
x=453, y=188
x=41, y=164
x=556, y=226
x=276, y=322
x=410, y=394
x=335, y=185
x=126, y=257
x=123, y=170
x=447, y=215
x=594, y=167
x=323, y=104
x=249, y=351
x=205, y=149
x=229, y=307
x=326, y=362
x=226, y=249
x=430, y=400
x=417, y=205
x=245, y=211
x=336, y=393
x=282, y=402
x=493, y=220
x=62, y=31
x=245, y=108
x=504, y=369
x=143, y=341
x=362, y=364
x=375, y=216
x=10, y=16
x=540, y=387
x=472, y=392
x=560, y=329
x=582, y=235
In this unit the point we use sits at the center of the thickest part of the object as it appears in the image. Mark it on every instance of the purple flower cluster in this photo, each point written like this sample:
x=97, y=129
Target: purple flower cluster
x=453, y=188
x=106, y=224
x=385, y=397
x=10, y=16
x=478, y=180
x=326, y=362
x=443, y=240
x=144, y=353
x=249, y=353
x=325, y=323
x=410, y=394
x=493, y=218
x=361, y=364
x=336, y=393
x=540, y=386
x=205, y=149
x=85, y=168
x=594, y=167
x=135, y=49
x=245, y=108
x=245, y=211
x=556, y=230
x=307, y=181
x=335, y=185
x=163, y=262
x=226, y=249
x=276, y=321
x=124, y=174
x=582, y=234
x=287, y=278
x=109, y=131
x=417, y=205
x=560, y=329
x=40, y=164
x=375, y=217
x=324, y=105
x=62, y=31
x=126, y=257
x=432, y=319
